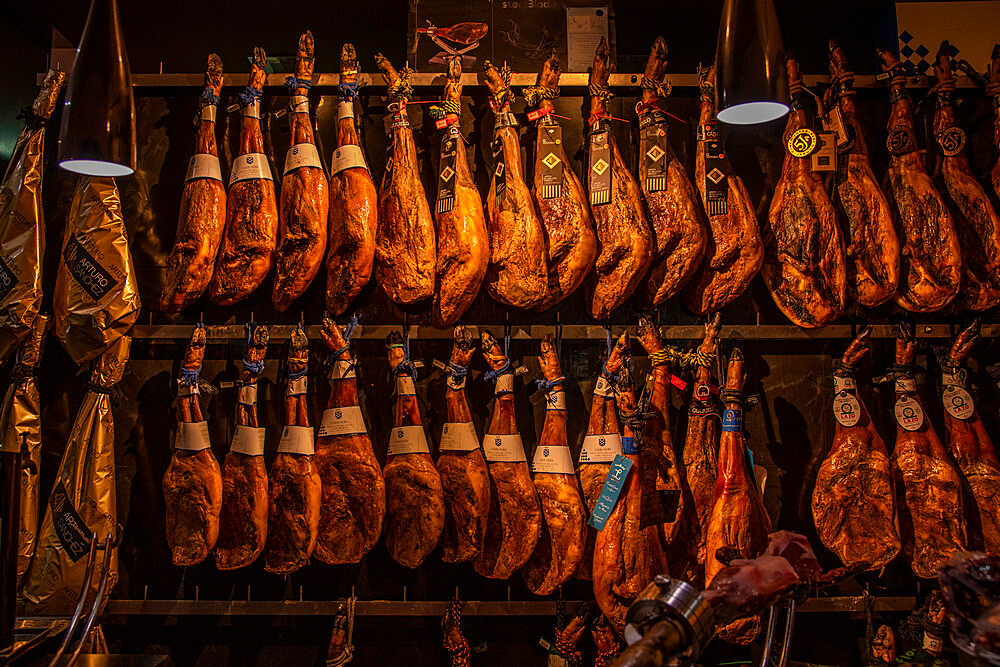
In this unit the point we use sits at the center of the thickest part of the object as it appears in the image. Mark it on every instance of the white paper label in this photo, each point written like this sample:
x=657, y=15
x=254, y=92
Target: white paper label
x=248, y=394
x=459, y=437
x=846, y=409
x=505, y=384
x=345, y=109
x=958, y=402
x=503, y=447
x=407, y=440
x=203, y=165
x=301, y=155
x=296, y=440
x=601, y=448
x=192, y=436
x=604, y=388
x=250, y=166
x=252, y=110
x=908, y=413
x=342, y=370
x=248, y=440
x=585, y=26
x=347, y=157
x=296, y=386
x=552, y=458
x=404, y=386
x=905, y=384
x=298, y=104
x=555, y=400
x=208, y=113
x=956, y=379
x=347, y=420
x=184, y=389
x=843, y=384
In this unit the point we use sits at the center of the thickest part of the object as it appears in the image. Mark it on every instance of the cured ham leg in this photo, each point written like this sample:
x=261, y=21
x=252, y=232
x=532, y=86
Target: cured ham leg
x=463, y=244
x=739, y=524
x=993, y=90
x=734, y=250
x=931, y=264
x=414, y=497
x=353, y=500
x=243, y=523
x=517, y=274
x=623, y=233
x=305, y=193
x=679, y=236
x=202, y=218
x=561, y=546
x=602, y=443
x=872, y=247
x=404, y=241
x=247, y=250
x=971, y=447
x=804, y=267
x=464, y=475
x=928, y=487
x=295, y=494
x=192, y=485
x=853, y=502
x=627, y=555
x=515, y=518
x=353, y=201
x=975, y=220
x=562, y=207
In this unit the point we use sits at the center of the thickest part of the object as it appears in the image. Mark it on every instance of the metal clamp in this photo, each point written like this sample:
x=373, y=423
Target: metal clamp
x=677, y=600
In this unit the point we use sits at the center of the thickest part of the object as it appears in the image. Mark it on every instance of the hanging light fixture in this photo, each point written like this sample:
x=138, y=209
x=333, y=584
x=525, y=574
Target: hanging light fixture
x=750, y=64
x=97, y=137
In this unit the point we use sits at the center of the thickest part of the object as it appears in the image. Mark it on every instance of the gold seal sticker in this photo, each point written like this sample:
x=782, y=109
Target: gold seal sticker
x=951, y=141
x=899, y=140
x=802, y=142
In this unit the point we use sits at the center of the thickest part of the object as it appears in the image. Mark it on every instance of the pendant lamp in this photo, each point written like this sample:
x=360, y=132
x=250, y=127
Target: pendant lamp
x=750, y=78
x=97, y=137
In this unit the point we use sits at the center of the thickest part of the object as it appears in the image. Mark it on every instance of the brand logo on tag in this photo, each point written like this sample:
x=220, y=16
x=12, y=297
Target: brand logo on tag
x=802, y=142
x=952, y=141
x=551, y=160
x=655, y=153
x=715, y=176
x=846, y=409
x=497, y=442
x=399, y=433
x=444, y=431
x=91, y=276
x=338, y=414
x=600, y=167
x=958, y=402
x=249, y=159
x=701, y=392
x=71, y=530
x=908, y=413
x=899, y=140
x=545, y=452
x=601, y=442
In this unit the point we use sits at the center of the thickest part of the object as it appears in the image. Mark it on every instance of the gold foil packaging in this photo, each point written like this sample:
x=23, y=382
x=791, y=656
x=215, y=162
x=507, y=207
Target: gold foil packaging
x=82, y=501
x=20, y=433
x=22, y=225
x=96, y=298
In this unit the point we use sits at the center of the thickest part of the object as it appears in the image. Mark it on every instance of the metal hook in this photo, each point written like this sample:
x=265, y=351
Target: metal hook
x=786, y=641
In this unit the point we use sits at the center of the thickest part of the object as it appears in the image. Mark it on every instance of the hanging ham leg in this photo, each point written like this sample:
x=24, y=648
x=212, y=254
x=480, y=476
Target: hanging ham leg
x=739, y=525
x=563, y=207
x=517, y=275
x=993, y=90
x=202, y=218
x=679, y=236
x=305, y=195
x=463, y=245
x=928, y=486
x=414, y=497
x=404, y=242
x=628, y=552
x=931, y=265
x=971, y=447
x=251, y=211
x=560, y=548
x=243, y=523
x=192, y=485
x=593, y=469
x=734, y=250
x=353, y=201
x=853, y=502
x=464, y=475
x=515, y=519
x=626, y=242
x=975, y=220
x=353, y=503
x=804, y=267
x=295, y=494
x=872, y=247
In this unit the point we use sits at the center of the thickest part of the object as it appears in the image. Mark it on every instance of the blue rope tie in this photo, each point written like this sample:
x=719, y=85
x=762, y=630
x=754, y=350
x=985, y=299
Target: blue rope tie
x=604, y=367
x=406, y=364
x=491, y=376
x=458, y=372
x=249, y=95
x=348, y=91
x=299, y=374
x=548, y=385
x=189, y=376
x=293, y=82
x=209, y=98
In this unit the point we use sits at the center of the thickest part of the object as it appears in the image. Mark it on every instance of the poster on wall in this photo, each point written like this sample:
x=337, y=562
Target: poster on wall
x=922, y=26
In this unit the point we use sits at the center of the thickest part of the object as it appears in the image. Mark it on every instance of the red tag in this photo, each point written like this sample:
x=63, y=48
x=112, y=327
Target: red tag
x=444, y=122
x=538, y=113
x=677, y=382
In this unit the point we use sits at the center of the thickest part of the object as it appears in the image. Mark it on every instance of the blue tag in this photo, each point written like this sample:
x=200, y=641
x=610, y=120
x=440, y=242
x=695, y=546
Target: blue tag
x=609, y=494
x=732, y=420
x=628, y=446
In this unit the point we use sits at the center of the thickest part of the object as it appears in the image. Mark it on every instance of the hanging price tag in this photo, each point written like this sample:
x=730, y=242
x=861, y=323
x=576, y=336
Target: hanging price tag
x=653, y=150
x=834, y=122
x=203, y=165
x=208, y=113
x=458, y=437
x=296, y=386
x=824, y=158
x=599, y=165
x=503, y=447
x=346, y=420
x=398, y=119
x=629, y=446
x=552, y=459
x=600, y=448
x=345, y=109
x=192, y=436
x=247, y=394
x=296, y=440
x=613, y=485
x=954, y=377
x=446, y=171
x=248, y=440
x=407, y=440
x=905, y=383
x=604, y=387
x=405, y=386
x=958, y=402
x=908, y=413
x=342, y=369
x=500, y=171
x=846, y=409
x=716, y=181
x=844, y=383
x=249, y=167
x=550, y=152
x=301, y=155
x=505, y=384
x=732, y=420
x=348, y=156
